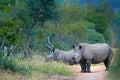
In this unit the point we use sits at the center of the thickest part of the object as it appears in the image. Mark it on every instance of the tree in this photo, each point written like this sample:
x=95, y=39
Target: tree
x=34, y=14
x=115, y=25
x=101, y=16
x=8, y=23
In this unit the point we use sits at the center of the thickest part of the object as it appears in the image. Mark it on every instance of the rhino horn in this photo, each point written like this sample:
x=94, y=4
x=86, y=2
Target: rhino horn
x=50, y=46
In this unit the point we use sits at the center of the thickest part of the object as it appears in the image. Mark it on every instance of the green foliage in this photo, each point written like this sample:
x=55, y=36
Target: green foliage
x=41, y=10
x=8, y=23
x=54, y=68
x=101, y=16
x=116, y=29
x=29, y=23
x=39, y=65
x=115, y=69
x=24, y=69
x=92, y=36
x=32, y=14
x=115, y=65
x=13, y=64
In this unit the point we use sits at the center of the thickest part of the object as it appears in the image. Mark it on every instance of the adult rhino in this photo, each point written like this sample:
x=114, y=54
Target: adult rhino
x=86, y=54
x=61, y=56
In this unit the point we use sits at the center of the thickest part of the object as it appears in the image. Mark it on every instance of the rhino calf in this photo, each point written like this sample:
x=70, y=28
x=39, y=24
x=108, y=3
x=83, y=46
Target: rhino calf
x=60, y=55
x=86, y=54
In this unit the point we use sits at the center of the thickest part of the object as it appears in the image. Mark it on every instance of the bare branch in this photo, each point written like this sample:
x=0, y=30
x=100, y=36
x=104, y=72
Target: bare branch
x=49, y=47
x=50, y=42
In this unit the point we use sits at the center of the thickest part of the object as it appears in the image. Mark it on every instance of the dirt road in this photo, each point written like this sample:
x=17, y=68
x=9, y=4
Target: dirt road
x=98, y=73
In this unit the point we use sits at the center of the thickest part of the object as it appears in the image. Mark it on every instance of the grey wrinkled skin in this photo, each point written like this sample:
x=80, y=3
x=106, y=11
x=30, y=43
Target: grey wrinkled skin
x=61, y=56
x=86, y=54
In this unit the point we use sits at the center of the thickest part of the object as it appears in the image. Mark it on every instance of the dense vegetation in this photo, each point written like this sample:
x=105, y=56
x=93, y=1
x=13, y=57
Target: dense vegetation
x=26, y=25
x=28, y=66
x=115, y=70
x=115, y=67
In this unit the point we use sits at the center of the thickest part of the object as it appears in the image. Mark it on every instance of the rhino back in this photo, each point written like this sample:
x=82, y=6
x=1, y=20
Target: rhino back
x=96, y=52
x=60, y=56
x=65, y=56
x=68, y=55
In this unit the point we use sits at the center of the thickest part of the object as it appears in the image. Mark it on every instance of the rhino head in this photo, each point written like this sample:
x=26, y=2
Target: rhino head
x=77, y=54
x=53, y=55
x=48, y=58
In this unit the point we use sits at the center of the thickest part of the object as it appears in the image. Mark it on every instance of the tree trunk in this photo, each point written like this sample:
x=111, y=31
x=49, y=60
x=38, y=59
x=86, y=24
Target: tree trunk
x=60, y=39
x=3, y=43
x=11, y=50
x=26, y=48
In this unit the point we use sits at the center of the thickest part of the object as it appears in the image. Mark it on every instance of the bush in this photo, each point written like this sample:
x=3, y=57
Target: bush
x=91, y=36
x=24, y=69
x=39, y=65
x=35, y=64
x=13, y=64
x=115, y=67
x=54, y=68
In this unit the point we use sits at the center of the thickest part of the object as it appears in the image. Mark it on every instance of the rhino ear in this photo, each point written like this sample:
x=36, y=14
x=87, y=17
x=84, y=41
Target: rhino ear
x=53, y=50
x=73, y=46
x=80, y=47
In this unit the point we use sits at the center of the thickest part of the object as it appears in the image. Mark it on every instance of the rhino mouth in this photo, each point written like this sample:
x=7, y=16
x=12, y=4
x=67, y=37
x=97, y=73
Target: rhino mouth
x=71, y=63
x=74, y=60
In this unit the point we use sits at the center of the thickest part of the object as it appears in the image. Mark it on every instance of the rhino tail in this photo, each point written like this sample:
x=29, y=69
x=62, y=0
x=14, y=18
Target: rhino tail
x=110, y=54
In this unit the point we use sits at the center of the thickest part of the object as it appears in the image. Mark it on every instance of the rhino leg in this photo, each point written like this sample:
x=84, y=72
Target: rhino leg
x=107, y=63
x=83, y=67
x=108, y=60
x=88, y=64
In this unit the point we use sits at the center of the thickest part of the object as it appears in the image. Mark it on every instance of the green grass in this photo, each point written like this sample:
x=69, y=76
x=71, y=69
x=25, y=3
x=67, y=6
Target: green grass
x=38, y=64
x=13, y=64
x=54, y=68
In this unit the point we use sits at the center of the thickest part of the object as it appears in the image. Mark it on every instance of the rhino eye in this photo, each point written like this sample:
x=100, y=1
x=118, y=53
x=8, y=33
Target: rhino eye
x=53, y=50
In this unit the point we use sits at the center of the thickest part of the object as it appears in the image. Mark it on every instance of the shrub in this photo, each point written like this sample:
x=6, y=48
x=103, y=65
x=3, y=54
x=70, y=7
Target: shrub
x=54, y=68
x=35, y=64
x=91, y=36
x=39, y=65
x=115, y=67
x=13, y=64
